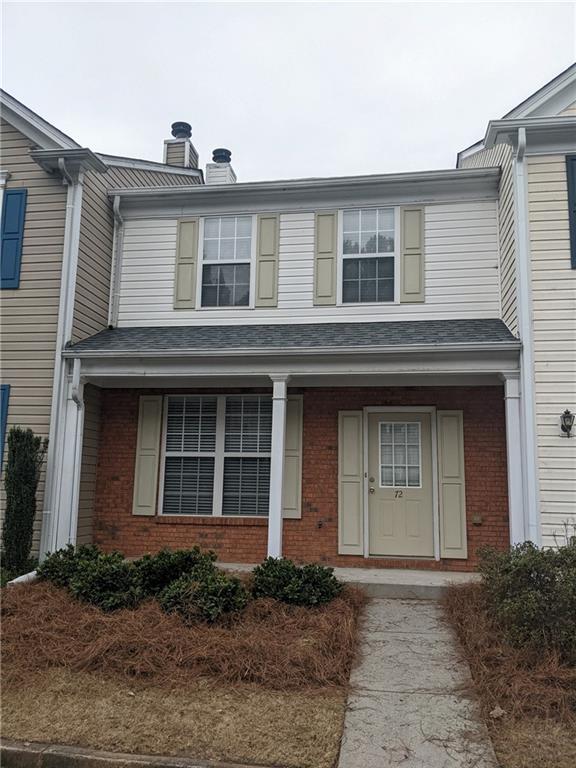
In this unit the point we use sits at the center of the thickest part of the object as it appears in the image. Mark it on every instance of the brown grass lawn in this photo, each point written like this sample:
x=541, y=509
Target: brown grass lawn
x=268, y=687
x=529, y=702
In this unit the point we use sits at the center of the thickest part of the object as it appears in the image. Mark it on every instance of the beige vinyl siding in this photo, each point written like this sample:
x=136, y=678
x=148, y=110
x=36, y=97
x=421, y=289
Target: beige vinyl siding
x=175, y=152
x=29, y=314
x=87, y=495
x=569, y=111
x=461, y=252
x=96, y=236
x=501, y=156
x=554, y=318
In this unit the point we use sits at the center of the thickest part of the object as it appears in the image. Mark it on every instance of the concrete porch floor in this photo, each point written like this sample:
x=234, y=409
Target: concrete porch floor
x=403, y=583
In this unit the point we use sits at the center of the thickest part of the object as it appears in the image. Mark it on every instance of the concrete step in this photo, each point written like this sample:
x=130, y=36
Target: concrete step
x=400, y=583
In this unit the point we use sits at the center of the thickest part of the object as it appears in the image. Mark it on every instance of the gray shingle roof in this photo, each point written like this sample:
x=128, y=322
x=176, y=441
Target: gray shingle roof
x=181, y=339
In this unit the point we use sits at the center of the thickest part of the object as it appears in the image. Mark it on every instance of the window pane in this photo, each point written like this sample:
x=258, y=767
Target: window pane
x=414, y=477
x=244, y=226
x=386, y=267
x=232, y=285
x=228, y=226
x=385, y=218
x=368, y=242
x=211, y=227
x=350, y=291
x=413, y=455
x=368, y=269
x=387, y=477
x=413, y=433
x=248, y=424
x=351, y=269
x=385, y=290
x=211, y=249
x=351, y=243
x=246, y=488
x=385, y=243
x=191, y=424
x=367, y=290
x=400, y=476
x=368, y=220
x=188, y=486
x=227, y=248
x=351, y=221
x=209, y=296
x=243, y=248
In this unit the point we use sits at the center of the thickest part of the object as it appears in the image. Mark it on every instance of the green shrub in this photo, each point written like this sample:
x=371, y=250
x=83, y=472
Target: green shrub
x=204, y=599
x=156, y=572
x=532, y=595
x=299, y=585
x=108, y=582
x=61, y=566
x=26, y=454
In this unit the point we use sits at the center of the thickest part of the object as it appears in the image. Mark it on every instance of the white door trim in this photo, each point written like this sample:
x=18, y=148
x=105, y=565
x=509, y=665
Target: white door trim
x=431, y=409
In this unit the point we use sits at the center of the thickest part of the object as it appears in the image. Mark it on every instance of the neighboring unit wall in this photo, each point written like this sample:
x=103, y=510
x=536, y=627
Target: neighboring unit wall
x=554, y=317
x=29, y=314
x=461, y=252
x=96, y=236
x=92, y=397
x=314, y=537
x=501, y=156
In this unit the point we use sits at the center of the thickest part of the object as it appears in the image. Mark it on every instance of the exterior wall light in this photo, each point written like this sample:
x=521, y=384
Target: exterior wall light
x=567, y=422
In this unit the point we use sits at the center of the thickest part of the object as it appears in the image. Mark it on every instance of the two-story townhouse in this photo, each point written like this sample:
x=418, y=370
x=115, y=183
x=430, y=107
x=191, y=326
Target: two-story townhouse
x=314, y=368
x=535, y=146
x=57, y=226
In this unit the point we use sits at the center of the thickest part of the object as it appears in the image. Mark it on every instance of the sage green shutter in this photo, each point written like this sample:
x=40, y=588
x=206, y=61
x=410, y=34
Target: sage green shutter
x=292, y=487
x=267, y=261
x=350, y=483
x=325, y=258
x=186, y=264
x=452, y=489
x=412, y=255
x=147, y=455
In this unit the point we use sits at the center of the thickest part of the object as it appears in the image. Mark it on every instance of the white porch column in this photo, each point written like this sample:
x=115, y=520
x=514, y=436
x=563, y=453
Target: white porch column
x=68, y=466
x=517, y=515
x=279, y=397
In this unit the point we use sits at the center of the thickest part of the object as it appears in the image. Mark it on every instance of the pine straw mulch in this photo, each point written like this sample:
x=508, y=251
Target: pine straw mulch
x=271, y=644
x=267, y=687
x=528, y=700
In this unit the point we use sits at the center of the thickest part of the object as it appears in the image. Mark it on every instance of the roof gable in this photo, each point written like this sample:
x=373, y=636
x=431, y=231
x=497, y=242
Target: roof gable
x=551, y=100
x=38, y=130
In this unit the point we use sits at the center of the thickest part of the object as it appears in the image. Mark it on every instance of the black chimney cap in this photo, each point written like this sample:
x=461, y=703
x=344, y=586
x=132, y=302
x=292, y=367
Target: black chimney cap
x=221, y=155
x=181, y=130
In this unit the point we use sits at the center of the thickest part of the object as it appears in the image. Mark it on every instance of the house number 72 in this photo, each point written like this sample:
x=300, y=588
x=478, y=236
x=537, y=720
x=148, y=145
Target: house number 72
x=398, y=494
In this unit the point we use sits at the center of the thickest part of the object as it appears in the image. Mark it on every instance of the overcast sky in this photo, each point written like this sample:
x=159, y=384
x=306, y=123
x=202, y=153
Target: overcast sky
x=293, y=89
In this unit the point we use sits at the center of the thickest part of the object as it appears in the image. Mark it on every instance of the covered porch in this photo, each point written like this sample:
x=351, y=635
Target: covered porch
x=402, y=455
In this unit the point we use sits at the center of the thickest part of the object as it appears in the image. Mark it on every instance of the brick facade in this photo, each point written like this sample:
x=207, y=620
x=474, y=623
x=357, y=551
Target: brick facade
x=315, y=536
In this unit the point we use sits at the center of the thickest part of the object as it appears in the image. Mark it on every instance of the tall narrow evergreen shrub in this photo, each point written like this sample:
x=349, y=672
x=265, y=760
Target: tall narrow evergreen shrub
x=26, y=453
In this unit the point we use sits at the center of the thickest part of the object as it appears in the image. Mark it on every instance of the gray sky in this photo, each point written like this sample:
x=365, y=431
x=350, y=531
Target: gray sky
x=298, y=89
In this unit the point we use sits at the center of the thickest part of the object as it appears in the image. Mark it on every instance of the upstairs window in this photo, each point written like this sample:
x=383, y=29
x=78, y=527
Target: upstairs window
x=368, y=250
x=226, y=260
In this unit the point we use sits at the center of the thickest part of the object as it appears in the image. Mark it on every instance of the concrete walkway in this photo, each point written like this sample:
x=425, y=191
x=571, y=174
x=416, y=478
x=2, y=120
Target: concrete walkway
x=410, y=703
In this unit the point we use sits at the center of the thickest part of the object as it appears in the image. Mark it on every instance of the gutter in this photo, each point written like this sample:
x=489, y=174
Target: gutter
x=503, y=346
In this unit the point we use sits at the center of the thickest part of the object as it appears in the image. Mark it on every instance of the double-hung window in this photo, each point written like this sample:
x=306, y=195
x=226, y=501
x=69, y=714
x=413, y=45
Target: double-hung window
x=217, y=455
x=226, y=260
x=368, y=251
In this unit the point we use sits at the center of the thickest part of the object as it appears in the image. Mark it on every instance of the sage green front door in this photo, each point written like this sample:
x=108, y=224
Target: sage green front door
x=400, y=495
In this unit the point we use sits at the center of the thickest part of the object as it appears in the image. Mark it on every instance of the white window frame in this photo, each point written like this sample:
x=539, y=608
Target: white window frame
x=395, y=254
x=219, y=455
x=213, y=262
x=406, y=466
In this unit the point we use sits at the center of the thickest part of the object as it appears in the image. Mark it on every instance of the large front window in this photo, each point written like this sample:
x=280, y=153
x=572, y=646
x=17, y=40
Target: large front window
x=368, y=247
x=226, y=257
x=217, y=455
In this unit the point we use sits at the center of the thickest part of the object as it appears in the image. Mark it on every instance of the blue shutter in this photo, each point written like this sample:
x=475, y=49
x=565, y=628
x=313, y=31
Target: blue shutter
x=13, y=213
x=571, y=173
x=4, y=395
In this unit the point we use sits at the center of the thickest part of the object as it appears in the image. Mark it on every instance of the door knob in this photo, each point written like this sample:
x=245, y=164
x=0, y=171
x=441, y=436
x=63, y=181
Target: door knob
x=371, y=490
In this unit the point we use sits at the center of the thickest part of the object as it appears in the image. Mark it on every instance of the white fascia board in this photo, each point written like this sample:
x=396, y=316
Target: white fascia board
x=148, y=165
x=81, y=159
x=413, y=188
x=478, y=146
x=540, y=132
x=408, y=349
x=32, y=125
x=556, y=95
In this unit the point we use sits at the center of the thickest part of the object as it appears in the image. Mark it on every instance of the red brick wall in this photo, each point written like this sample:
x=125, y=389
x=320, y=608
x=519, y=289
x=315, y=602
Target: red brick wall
x=315, y=536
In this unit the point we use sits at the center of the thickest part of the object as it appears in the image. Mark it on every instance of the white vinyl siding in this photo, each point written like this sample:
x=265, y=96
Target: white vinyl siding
x=217, y=455
x=501, y=156
x=554, y=317
x=462, y=273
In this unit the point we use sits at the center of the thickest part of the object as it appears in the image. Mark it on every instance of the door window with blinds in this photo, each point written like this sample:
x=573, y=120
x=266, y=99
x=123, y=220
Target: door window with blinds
x=400, y=455
x=368, y=255
x=217, y=455
x=226, y=261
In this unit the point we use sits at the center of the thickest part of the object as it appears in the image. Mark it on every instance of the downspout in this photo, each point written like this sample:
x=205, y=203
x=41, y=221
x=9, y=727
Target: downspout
x=116, y=266
x=76, y=395
x=524, y=297
x=64, y=332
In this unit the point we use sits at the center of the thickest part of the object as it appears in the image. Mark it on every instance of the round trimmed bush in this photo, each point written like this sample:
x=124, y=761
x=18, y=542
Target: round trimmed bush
x=61, y=566
x=155, y=572
x=108, y=582
x=283, y=580
x=204, y=599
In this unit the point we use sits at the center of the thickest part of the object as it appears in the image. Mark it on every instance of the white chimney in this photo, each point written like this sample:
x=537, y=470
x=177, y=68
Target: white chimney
x=219, y=171
x=180, y=151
